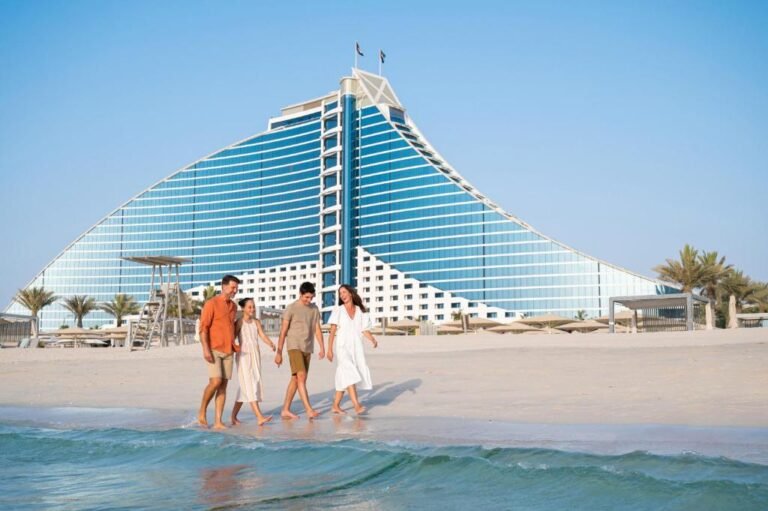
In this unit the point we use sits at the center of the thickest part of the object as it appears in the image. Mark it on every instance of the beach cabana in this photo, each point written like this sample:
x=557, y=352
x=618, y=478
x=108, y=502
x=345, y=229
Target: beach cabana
x=449, y=330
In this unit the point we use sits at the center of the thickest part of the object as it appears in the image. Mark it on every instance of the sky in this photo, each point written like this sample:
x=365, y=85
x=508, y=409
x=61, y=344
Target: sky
x=622, y=129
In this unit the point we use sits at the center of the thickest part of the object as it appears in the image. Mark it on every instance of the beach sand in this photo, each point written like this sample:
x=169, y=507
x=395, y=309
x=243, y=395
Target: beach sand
x=717, y=378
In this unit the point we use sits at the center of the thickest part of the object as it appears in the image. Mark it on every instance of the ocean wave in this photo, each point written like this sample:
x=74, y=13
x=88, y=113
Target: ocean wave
x=96, y=468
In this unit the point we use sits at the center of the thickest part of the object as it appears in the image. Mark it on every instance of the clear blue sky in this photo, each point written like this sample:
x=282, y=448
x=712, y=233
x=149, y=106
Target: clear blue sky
x=624, y=129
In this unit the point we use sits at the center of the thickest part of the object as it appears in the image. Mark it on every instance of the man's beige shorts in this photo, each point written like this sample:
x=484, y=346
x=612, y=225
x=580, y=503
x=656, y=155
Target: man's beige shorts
x=222, y=365
x=299, y=361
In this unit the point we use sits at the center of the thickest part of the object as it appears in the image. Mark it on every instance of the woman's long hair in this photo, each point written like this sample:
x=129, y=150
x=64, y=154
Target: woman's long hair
x=355, y=297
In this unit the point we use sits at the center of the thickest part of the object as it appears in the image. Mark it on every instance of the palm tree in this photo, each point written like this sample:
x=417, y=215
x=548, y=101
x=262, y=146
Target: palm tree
x=80, y=306
x=688, y=271
x=208, y=293
x=35, y=299
x=120, y=306
x=714, y=271
x=580, y=315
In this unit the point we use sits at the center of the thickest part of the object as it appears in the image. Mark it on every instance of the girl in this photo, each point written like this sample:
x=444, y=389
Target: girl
x=351, y=322
x=248, y=330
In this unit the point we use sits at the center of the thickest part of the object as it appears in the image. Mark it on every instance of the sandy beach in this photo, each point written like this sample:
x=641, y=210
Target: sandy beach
x=714, y=378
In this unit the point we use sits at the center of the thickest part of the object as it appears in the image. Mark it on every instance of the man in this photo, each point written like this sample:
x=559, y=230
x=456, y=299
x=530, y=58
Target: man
x=300, y=327
x=217, y=335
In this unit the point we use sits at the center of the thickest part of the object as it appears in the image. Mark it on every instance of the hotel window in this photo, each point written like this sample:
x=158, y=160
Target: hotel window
x=491, y=315
x=423, y=306
x=393, y=308
x=379, y=267
x=393, y=276
x=439, y=306
x=380, y=277
x=329, y=279
x=330, y=143
x=455, y=305
x=366, y=258
x=331, y=123
x=329, y=220
x=329, y=200
x=393, y=298
x=439, y=317
x=330, y=161
x=379, y=298
x=329, y=259
x=379, y=309
x=424, y=296
x=329, y=181
x=328, y=241
x=408, y=286
x=379, y=288
x=409, y=297
x=439, y=295
x=409, y=307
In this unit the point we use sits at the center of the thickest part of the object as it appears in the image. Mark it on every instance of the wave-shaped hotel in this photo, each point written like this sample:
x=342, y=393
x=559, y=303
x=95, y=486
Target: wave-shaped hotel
x=340, y=189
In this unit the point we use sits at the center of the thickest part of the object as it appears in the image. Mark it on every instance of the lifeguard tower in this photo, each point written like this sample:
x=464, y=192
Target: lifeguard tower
x=164, y=294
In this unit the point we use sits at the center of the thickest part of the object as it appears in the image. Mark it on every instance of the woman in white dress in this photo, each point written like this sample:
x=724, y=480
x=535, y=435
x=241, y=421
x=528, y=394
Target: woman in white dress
x=350, y=322
x=248, y=330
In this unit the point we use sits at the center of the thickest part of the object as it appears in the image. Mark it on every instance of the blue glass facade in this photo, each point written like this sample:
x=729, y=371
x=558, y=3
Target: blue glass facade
x=348, y=171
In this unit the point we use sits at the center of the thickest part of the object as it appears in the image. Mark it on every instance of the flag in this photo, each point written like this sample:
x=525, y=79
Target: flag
x=382, y=56
x=358, y=50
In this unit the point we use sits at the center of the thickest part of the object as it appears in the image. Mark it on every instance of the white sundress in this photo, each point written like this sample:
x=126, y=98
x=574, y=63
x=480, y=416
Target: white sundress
x=249, y=365
x=351, y=368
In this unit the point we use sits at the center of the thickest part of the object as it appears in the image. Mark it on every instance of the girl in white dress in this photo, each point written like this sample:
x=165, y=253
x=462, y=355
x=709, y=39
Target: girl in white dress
x=350, y=322
x=248, y=330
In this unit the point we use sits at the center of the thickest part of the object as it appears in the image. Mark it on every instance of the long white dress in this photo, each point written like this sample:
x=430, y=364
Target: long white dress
x=249, y=364
x=351, y=368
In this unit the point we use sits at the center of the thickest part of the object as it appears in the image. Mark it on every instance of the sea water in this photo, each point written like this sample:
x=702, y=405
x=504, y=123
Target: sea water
x=64, y=467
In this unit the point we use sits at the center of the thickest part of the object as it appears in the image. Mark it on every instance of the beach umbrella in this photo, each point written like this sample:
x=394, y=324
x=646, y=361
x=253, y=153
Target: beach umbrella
x=405, y=324
x=587, y=325
x=625, y=315
x=548, y=320
x=388, y=331
x=448, y=329
x=474, y=323
x=515, y=327
x=545, y=330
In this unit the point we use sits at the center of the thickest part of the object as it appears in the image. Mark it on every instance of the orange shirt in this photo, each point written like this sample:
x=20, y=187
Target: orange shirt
x=218, y=319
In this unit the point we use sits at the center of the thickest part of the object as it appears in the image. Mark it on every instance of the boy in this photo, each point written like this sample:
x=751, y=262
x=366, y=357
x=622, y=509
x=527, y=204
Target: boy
x=300, y=328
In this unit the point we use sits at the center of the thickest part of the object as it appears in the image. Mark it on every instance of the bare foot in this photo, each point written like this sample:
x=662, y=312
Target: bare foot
x=219, y=425
x=264, y=419
x=236, y=421
x=338, y=411
x=360, y=409
x=312, y=414
x=203, y=421
x=288, y=415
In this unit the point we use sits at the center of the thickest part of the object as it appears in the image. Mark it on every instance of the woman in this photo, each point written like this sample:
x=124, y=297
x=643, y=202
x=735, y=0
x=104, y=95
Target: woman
x=248, y=331
x=350, y=322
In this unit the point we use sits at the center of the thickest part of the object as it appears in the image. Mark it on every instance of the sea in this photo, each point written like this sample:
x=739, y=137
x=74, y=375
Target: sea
x=77, y=459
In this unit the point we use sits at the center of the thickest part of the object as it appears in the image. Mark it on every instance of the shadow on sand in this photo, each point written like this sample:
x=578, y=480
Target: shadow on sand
x=382, y=394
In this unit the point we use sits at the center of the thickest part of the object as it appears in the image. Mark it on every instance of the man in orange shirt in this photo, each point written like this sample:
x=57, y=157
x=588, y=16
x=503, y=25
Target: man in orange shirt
x=217, y=335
